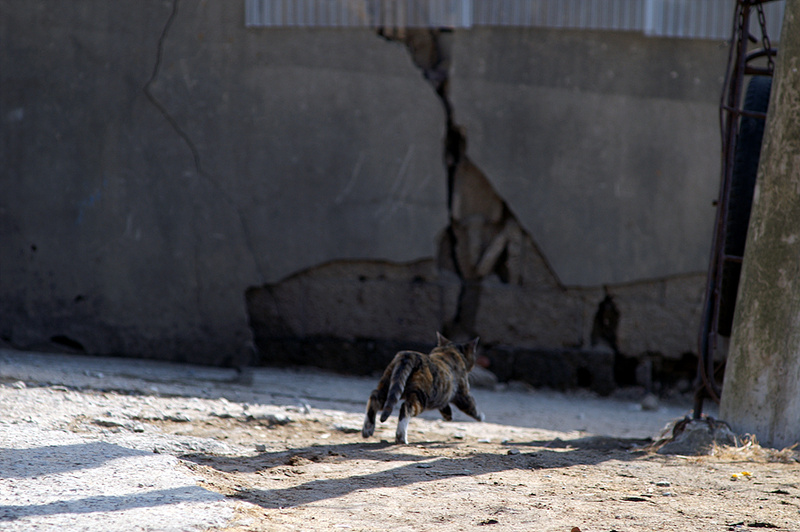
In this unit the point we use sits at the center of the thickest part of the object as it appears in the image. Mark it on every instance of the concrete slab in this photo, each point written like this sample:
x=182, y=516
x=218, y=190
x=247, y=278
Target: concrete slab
x=55, y=480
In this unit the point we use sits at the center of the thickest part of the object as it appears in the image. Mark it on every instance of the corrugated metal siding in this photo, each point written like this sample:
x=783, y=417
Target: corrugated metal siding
x=589, y=14
x=707, y=19
x=359, y=13
x=701, y=19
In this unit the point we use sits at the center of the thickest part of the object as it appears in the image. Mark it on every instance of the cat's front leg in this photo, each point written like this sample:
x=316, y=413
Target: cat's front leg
x=447, y=413
x=466, y=403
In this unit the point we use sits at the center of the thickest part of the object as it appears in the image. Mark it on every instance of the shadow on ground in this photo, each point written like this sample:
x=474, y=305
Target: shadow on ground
x=415, y=467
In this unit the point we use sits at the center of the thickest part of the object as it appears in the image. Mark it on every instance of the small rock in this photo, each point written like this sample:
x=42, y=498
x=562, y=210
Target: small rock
x=271, y=419
x=19, y=385
x=650, y=402
x=663, y=484
x=297, y=460
x=694, y=437
x=177, y=418
x=519, y=386
x=482, y=378
x=108, y=422
x=302, y=407
x=513, y=452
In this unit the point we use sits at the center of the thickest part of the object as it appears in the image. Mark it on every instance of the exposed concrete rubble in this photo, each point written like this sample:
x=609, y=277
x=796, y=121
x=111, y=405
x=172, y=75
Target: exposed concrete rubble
x=692, y=437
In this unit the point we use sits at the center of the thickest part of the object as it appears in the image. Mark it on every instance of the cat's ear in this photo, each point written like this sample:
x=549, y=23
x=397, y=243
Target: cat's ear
x=473, y=345
x=441, y=341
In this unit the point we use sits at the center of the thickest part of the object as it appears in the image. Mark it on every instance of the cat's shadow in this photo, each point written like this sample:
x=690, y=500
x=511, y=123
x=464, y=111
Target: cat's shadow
x=417, y=463
x=382, y=451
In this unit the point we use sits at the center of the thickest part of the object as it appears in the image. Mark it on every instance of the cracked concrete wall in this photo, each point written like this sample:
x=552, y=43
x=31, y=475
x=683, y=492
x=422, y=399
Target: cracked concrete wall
x=603, y=144
x=159, y=159
x=324, y=135
x=107, y=229
x=175, y=185
x=602, y=148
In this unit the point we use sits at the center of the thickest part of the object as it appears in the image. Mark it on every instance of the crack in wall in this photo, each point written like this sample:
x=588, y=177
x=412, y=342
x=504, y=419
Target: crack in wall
x=156, y=103
x=483, y=237
x=190, y=144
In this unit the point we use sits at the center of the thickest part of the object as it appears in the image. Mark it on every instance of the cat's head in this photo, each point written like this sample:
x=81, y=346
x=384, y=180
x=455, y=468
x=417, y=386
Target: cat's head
x=468, y=350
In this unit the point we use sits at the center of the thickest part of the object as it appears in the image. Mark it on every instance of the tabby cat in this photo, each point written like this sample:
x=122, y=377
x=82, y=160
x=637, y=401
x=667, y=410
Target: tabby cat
x=425, y=382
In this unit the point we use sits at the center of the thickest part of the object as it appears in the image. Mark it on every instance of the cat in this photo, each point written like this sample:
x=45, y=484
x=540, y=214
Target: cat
x=425, y=382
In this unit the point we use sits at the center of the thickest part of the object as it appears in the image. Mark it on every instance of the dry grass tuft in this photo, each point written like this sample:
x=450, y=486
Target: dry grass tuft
x=749, y=450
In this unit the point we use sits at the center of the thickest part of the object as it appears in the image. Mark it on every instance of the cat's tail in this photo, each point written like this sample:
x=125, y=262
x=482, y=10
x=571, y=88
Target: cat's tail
x=406, y=362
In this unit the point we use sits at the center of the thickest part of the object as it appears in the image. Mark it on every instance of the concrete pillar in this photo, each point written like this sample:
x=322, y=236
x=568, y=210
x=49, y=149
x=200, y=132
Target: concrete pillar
x=761, y=392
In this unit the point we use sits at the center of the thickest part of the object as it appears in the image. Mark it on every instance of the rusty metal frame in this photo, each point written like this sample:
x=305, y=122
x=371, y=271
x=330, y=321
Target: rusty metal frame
x=740, y=64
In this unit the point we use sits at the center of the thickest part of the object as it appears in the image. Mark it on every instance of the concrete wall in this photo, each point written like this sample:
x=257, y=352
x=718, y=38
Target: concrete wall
x=174, y=184
x=603, y=144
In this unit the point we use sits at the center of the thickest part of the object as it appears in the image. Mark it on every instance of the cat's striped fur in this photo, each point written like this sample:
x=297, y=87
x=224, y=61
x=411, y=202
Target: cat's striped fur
x=424, y=382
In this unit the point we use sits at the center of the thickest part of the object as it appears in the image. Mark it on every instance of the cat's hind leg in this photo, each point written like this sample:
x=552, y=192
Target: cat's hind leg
x=401, y=436
x=411, y=407
x=447, y=413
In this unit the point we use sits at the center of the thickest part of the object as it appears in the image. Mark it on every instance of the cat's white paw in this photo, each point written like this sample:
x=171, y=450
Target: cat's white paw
x=401, y=436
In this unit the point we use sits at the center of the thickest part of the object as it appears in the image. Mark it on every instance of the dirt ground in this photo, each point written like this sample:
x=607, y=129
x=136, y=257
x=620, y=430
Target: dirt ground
x=317, y=473
x=286, y=465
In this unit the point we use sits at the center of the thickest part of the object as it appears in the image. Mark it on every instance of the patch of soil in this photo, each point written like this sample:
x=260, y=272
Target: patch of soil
x=317, y=473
